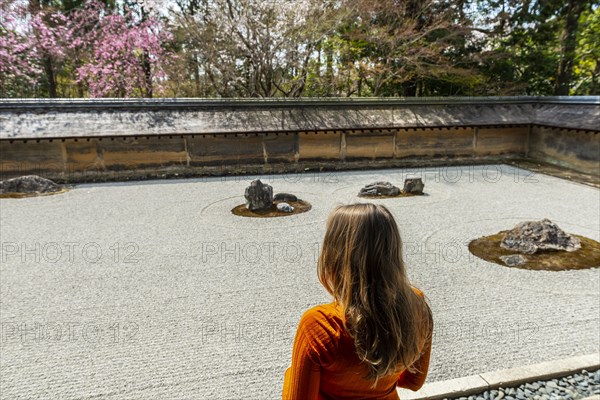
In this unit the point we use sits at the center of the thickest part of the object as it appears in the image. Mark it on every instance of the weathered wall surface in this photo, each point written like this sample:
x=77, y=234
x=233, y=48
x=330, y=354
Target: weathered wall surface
x=578, y=150
x=76, y=140
x=81, y=158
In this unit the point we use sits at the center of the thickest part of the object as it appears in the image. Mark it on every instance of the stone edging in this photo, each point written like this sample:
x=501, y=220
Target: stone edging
x=474, y=384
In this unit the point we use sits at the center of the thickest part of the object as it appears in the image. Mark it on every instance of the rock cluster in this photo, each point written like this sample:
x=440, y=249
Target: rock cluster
x=532, y=236
x=379, y=189
x=259, y=196
x=29, y=184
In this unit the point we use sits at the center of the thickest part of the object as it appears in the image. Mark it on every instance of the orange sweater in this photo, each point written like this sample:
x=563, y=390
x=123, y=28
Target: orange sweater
x=325, y=365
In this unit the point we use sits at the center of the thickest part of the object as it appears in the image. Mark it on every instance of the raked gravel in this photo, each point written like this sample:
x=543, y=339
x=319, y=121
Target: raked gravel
x=154, y=290
x=573, y=387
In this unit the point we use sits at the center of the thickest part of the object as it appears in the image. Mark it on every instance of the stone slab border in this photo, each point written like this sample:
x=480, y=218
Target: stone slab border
x=474, y=384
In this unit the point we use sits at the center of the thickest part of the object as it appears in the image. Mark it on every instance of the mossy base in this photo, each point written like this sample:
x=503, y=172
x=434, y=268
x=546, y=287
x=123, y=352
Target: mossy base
x=35, y=194
x=300, y=207
x=376, y=196
x=588, y=256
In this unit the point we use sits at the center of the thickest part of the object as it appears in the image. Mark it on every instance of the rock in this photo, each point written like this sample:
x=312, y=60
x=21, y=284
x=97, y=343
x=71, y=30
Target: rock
x=413, y=186
x=285, y=207
x=513, y=260
x=29, y=184
x=532, y=236
x=379, y=189
x=259, y=196
x=285, y=197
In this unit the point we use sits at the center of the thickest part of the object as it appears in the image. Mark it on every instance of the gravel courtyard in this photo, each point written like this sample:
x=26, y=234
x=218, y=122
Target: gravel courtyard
x=154, y=290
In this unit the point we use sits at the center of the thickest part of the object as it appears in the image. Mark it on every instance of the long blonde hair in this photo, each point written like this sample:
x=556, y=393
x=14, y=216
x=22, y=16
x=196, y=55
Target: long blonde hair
x=361, y=266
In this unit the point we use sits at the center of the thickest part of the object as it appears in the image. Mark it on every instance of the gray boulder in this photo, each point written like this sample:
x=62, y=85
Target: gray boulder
x=29, y=184
x=259, y=196
x=285, y=197
x=413, y=186
x=379, y=189
x=530, y=237
x=513, y=260
x=285, y=207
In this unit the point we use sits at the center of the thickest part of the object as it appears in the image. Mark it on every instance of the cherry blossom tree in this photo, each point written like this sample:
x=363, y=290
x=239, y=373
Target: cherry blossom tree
x=49, y=38
x=18, y=68
x=126, y=53
x=101, y=51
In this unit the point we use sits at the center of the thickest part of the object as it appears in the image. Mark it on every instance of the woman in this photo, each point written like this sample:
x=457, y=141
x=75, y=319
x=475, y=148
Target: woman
x=377, y=333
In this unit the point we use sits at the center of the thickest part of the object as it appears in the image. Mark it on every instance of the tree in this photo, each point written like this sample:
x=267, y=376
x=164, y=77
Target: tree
x=252, y=48
x=89, y=46
x=18, y=71
x=586, y=69
x=540, y=38
x=568, y=40
x=293, y=48
x=410, y=48
x=126, y=54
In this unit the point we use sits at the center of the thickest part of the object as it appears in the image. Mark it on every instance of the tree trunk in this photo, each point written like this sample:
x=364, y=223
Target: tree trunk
x=147, y=75
x=194, y=65
x=328, y=69
x=50, y=75
x=568, y=45
x=146, y=67
x=595, y=76
x=409, y=89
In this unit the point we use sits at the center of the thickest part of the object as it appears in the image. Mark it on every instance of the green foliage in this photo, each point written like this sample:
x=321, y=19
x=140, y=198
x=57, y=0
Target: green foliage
x=587, y=66
x=242, y=48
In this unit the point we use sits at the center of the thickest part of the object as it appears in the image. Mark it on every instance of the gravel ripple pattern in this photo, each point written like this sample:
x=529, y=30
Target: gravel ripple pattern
x=155, y=290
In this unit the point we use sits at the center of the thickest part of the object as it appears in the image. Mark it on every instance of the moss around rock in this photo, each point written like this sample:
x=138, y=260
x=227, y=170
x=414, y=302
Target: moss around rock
x=588, y=256
x=299, y=207
x=27, y=186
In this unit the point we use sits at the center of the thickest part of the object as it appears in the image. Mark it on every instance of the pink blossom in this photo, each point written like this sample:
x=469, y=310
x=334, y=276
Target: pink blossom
x=109, y=53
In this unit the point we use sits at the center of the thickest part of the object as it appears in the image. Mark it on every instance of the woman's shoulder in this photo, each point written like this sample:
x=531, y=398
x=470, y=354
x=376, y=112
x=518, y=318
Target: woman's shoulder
x=321, y=328
x=322, y=316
